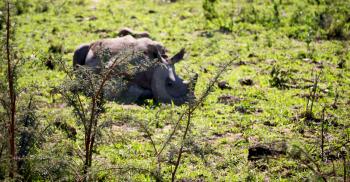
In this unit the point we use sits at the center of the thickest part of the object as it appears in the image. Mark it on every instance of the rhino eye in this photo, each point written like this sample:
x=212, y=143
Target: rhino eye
x=155, y=55
x=169, y=83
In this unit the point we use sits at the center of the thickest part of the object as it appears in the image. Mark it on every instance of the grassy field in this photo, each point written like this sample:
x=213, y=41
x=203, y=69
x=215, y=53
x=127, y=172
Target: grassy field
x=282, y=47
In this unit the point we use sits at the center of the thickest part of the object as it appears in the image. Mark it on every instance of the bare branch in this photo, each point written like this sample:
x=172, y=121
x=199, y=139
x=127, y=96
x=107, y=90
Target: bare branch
x=196, y=103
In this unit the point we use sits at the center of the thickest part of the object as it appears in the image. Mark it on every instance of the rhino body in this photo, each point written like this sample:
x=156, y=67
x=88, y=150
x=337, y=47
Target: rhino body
x=160, y=83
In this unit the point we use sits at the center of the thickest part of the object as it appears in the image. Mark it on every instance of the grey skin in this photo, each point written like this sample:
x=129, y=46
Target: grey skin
x=160, y=83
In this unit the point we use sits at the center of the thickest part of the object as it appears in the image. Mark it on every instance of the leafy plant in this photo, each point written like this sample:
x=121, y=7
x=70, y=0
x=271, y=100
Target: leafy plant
x=86, y=91
x=210, y=12
x=279, y=77
x=308, y=114
x=276, y=13
x=225, y=23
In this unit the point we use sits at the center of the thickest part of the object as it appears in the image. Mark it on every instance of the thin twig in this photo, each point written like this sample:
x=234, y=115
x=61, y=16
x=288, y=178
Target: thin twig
x=322, y=133
x=11, y=92
x=149, y=135
x=173, y=174
x=317, y=170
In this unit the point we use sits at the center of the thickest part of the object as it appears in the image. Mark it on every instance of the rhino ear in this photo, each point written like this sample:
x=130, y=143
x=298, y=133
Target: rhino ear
x=124, y=32
x=80, y=55
x=178, y=57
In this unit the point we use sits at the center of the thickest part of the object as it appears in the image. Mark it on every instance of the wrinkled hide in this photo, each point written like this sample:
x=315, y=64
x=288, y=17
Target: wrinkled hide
x=160, y=83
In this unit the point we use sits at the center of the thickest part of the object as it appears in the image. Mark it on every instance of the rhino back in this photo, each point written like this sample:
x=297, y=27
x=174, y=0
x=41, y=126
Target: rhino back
x=114, y=45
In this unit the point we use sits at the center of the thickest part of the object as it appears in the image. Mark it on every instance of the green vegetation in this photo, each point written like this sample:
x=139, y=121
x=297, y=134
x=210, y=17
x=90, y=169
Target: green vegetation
x=282, y=116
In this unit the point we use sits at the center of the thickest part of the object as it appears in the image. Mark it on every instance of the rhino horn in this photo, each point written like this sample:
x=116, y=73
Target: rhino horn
x=171, y=74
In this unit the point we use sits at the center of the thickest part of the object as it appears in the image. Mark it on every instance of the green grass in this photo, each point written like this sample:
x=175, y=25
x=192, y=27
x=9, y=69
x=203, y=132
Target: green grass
x=220, y=135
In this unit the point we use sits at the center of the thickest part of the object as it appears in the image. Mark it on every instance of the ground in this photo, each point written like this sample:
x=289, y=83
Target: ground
x=255, y=110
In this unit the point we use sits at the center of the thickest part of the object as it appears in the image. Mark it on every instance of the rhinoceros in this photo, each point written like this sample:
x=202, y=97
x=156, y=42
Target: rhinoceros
x=160, y=83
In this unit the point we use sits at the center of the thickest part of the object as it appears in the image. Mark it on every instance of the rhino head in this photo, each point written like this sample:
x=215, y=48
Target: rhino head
x=160, y=83
x=166, y=85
